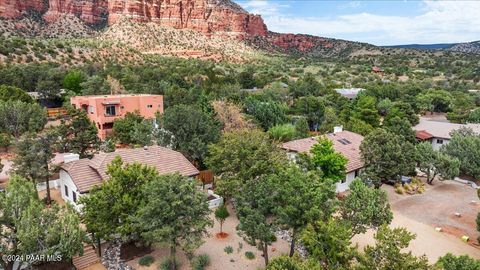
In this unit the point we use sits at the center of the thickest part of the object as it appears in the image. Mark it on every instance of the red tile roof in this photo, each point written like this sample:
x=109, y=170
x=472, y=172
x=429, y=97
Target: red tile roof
x=87, y=173
x=350, y=148
x=423, y=135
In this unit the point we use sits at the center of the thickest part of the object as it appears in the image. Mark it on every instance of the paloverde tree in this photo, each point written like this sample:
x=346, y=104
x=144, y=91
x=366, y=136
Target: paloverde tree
x=17, y=118
x=33, y=159
x=78, y=134
x=365, y=208
x=28, y=227
x=189, y=131
x=175, y=213
x=436, y=163
x=300, y=198
x=108, y=209
x=240, y=156
x=387, y=156
x=331, y=163
x=387, y=253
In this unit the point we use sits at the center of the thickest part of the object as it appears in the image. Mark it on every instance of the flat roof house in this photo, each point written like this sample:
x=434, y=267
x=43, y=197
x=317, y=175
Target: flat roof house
x=103, y=110
x=79, y=176
x=438, y=133
x=350, y=93
x=344, y=142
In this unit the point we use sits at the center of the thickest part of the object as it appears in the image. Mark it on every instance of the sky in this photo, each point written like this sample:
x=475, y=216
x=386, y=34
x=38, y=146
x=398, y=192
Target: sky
x=376, y=22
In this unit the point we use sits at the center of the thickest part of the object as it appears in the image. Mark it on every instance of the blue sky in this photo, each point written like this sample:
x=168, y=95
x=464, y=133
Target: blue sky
x=376, y=22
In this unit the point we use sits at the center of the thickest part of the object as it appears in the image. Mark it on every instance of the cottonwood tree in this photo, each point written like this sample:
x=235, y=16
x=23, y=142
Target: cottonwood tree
x=387, y=156
x=175, y=213
x=254, y=205
x=107, y=210
x=435, y=163
x=331, y=163
x=243, y=155
x=387, y=252
x=30, y=228
x=365, y=208
x=328, y=243
x=17, y=118
x=189, y=131
x=78, y=134
x=33, y=159
x=300, y=198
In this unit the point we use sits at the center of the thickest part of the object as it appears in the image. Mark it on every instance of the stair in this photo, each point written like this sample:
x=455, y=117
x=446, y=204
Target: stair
x=88, y=258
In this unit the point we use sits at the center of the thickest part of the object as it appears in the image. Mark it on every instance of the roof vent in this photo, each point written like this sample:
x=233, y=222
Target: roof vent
x=145, y=148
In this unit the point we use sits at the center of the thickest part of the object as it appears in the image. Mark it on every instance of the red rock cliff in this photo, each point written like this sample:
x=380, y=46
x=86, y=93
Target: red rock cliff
x=212, y=17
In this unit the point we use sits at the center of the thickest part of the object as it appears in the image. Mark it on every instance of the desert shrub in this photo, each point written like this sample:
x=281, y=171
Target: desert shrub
x=249, y=255
x=283, y=133
x=399, y=189
x=201, y=262
x=228, y=249
x=146, y=260
x=166, y=264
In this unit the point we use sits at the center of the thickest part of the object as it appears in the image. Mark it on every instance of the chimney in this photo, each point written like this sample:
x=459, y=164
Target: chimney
x=70, y=157
x=337, y=129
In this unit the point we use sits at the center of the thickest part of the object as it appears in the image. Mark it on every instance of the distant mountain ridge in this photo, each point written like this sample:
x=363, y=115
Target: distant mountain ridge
x=466, y=47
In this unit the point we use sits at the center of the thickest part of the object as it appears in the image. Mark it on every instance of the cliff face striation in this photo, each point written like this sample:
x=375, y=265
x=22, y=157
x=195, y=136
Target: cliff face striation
x=211, y=17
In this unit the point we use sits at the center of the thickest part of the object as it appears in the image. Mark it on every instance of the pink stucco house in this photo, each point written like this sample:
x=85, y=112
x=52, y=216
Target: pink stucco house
x=103, y=110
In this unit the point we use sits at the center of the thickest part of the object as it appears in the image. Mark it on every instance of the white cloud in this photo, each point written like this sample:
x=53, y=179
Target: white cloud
x=439, y=21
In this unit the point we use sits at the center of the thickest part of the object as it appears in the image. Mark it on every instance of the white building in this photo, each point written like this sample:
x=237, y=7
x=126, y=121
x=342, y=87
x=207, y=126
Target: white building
x=350, y=93
x=438, y=133
x=344, y=142
x=79, y=176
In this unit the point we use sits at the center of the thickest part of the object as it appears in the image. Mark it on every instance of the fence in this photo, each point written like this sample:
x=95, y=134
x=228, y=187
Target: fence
x=54, y=112
x=206, y=177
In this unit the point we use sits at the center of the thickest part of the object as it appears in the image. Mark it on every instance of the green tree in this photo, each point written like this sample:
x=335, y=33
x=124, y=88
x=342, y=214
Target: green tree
x=95, y=85
x=332, y=164
x=474, y=116
x=189, y=131
x=312, y=108
x=221, y=214
x=300, y=198
x=387, y=252
x=328, y=242
x=292, y=263
x=30, y=228
x=266, y=113
x=301, y=128
x=366, y=110
x=384, y=106
x=402, y=127
x=435, y=100
x=108, y=209
x=365, y=208
x=359, y=126
x=387, y=156
x=435, y=163
x=402, y=110
x=452, y=262
x=465, y=146
x=73, y=81
x=306, y=86
x=330, y=120
x=33, y=159
x=12, y=93
x=175, y=213
x=17, y=118
x=254, y=210
x=78, y=134
x=240, y=156
x=133, y=129
x=283, y=133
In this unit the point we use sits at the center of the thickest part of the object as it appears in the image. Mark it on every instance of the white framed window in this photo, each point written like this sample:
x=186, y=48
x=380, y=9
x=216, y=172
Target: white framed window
x=110, y=110
x=439, y=141
x=66, y=190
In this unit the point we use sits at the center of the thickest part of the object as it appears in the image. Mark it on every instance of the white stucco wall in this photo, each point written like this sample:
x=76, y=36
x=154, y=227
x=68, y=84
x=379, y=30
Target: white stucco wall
x=66, y=180
x=341, y=187
x=437, y=145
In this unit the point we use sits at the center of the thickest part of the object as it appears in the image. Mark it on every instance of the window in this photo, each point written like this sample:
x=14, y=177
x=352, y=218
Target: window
x=66, y=191
x=74, y=194
x=344, y=180
x=357, y=172
x=149, y=106
x=90, y=109
x=110, y=111
x=439, y=141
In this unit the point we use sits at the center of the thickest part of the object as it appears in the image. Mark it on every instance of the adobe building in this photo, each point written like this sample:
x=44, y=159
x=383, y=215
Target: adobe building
x=104, y=109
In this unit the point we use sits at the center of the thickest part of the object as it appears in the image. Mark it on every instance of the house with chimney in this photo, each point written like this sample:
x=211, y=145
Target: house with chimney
x=439, y=133
x=104, y=109
x=344, y=142
x=79, y=176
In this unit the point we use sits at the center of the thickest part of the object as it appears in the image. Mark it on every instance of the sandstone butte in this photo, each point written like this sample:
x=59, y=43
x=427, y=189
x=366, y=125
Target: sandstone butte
x=222, y=18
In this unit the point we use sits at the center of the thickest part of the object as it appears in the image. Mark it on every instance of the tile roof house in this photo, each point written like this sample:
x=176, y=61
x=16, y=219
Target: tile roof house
x=438, y=133
x=79, y=176
x=344, y=142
